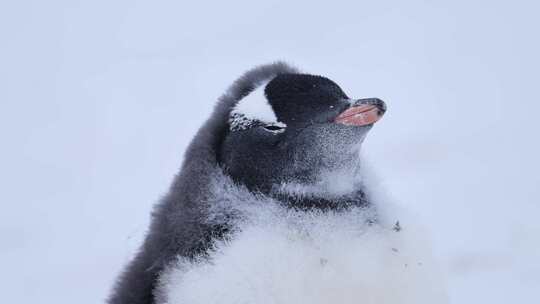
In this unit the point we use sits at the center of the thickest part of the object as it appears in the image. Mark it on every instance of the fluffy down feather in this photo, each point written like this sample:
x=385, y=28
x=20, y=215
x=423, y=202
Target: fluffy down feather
x=281, y=256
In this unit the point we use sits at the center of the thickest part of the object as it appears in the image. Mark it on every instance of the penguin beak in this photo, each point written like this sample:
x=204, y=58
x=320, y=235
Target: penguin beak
x=362, y=112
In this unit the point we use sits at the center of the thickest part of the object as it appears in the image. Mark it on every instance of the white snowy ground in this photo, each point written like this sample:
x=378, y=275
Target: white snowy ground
x=98, y=100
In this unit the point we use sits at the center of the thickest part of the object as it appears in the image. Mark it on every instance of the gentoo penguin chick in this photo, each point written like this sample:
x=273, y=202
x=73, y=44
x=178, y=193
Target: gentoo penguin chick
x=276, y=135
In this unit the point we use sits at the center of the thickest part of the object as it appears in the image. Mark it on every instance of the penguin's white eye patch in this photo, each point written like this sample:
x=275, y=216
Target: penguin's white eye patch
x=254, y=110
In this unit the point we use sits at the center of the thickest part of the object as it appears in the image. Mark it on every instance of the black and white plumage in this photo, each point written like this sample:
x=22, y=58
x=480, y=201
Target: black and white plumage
x=273, y=148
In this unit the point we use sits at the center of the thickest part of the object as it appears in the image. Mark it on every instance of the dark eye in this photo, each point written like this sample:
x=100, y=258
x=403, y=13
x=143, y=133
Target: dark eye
x=274, y=128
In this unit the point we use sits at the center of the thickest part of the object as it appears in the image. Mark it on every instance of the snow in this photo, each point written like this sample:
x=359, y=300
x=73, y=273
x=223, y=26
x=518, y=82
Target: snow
x=98, y=101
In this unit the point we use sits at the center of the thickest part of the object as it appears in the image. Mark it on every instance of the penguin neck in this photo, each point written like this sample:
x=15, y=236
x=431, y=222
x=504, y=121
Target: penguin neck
x=334, y=191
x=355, y=199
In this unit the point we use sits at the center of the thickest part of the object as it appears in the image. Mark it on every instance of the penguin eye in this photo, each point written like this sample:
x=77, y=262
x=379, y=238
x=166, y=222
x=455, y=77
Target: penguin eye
x=275, y=128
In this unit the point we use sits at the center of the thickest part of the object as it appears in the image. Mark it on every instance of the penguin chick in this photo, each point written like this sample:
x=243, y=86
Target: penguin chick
x=276, y=132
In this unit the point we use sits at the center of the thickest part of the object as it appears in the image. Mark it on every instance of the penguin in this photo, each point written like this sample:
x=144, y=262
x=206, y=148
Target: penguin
x=277, y=133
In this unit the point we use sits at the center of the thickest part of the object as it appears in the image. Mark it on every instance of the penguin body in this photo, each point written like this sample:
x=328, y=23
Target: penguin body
x=280, y=150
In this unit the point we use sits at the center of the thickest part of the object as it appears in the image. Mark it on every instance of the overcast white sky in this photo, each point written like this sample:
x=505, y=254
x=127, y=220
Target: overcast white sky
x=98, y=100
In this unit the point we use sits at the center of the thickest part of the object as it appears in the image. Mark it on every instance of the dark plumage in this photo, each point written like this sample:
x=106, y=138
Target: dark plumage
x=262, y=156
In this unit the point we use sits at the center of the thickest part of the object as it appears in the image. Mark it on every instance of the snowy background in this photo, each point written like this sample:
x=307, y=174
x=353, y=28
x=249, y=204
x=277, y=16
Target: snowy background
x=99, y=99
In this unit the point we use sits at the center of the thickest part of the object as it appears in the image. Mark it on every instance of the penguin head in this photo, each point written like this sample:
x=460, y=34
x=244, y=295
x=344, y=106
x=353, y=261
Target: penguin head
x=294, y=128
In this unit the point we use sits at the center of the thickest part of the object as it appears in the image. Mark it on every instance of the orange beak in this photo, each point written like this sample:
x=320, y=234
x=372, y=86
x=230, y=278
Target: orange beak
x=361, y=115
